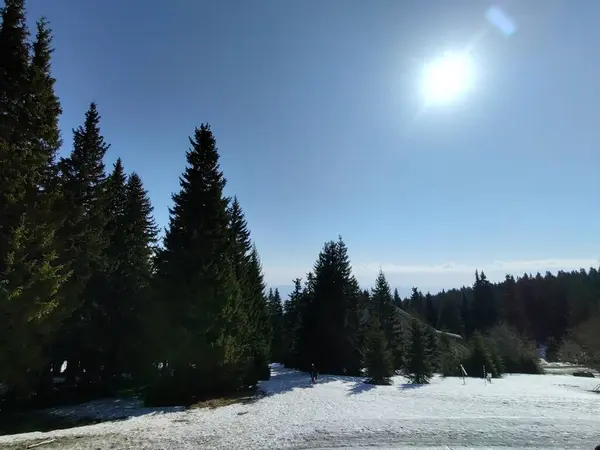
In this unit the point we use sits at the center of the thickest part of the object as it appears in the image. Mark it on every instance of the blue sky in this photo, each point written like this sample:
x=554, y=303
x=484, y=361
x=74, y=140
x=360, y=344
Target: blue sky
x=318, y=117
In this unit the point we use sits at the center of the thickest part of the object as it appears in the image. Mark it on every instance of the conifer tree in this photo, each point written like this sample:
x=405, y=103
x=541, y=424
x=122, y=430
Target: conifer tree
x=355, y=329
x=485, y=312
x=431, y=313
x=83, y=238
x=465, y=313
x=450, y=317
x=433, y=344
x=479, y=358
x=450, y=357
x=254, y=305
x=328, y=340
x=276, y=315
x=514, y=309
x=44, y=107
x=30, y=274
x=397, y=299
x=383, y=307
x=131, y=233
x=305, y=355
x=292, y=323
x=419, y=356
x=137, y=267
x=260, y=321
x=416, y=303
x=378, y=357
x=382, y=304
x=141, y=228
x=205, y=342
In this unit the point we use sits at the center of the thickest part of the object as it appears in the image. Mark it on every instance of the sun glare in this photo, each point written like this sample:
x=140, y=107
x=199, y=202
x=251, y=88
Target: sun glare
x=446, y=78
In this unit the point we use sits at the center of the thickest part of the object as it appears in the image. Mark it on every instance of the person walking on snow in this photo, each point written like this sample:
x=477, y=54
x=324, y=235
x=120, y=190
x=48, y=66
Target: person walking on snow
x=313, y=373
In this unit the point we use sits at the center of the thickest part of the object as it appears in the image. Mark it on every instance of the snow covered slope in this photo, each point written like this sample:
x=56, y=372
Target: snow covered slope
x=519, y=411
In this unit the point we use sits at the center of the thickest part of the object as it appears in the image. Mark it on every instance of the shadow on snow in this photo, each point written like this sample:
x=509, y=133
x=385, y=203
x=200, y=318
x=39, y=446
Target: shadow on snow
x=405, y=386
x=285, y=380
x=89, y=413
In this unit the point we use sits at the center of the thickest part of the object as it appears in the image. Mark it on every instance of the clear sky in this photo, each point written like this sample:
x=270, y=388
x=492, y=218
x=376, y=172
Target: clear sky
x=317, y=113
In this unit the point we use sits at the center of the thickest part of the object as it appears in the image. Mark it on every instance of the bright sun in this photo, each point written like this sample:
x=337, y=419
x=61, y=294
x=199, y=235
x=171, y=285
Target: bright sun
x=447, y=77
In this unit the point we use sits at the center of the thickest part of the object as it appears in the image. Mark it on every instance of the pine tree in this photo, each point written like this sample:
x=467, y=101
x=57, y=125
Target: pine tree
x=514, y=309
x=383, y=304
x=431, y=313
x=115, y=319
x=433, y=345
x=497, y=361
x=485, y=311
x=450, y=317
x=261, y=325
x=142, y=230
x=397, y=299
x=254, y=305
x=378, y=357
x=479, y=358
x=292, y=323
x=450, y=357
x=30, y=274
x=465, y=313
x=416, y=303
x=305, y=355
x=355, y=329
x=419, y=356
x=276, y=315
x=84, y=240
x=137, y=267
x=203, y=300
x=328, y=340
x=44, y=106
x=385, y=310
x=14, y=96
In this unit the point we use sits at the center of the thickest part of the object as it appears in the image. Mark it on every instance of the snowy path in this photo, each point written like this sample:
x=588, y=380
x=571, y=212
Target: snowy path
x=519, y=411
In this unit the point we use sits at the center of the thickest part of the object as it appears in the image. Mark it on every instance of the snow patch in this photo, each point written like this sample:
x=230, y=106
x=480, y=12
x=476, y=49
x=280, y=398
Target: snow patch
x=517, y=411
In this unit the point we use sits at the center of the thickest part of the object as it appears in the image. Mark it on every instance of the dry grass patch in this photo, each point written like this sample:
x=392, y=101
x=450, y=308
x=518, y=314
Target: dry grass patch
x=242, y=397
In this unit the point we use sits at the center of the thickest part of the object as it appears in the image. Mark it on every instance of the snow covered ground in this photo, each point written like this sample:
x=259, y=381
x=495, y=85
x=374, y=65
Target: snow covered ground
x=518, y=411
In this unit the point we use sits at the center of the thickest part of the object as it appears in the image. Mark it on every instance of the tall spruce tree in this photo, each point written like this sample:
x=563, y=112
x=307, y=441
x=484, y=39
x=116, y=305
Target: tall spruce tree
x=433, y=344
x=383, y=307
x=136, y=269
x=292, y=323
x=431, y=311
x=30, y=274
x=112, y=328
x=419, y=356
x=276, y=314
x=83, y=238
x=416, y=303
x=44, y=107
x=466, y=313
x=479, y=358
x=397, y=298
x=356, y=329
x=450, y=318
x=255, y=310
x=260, y=321
x=198, y=287
x=379, y=360
x=485, y=309
x=513, y=308
x=329, y=340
